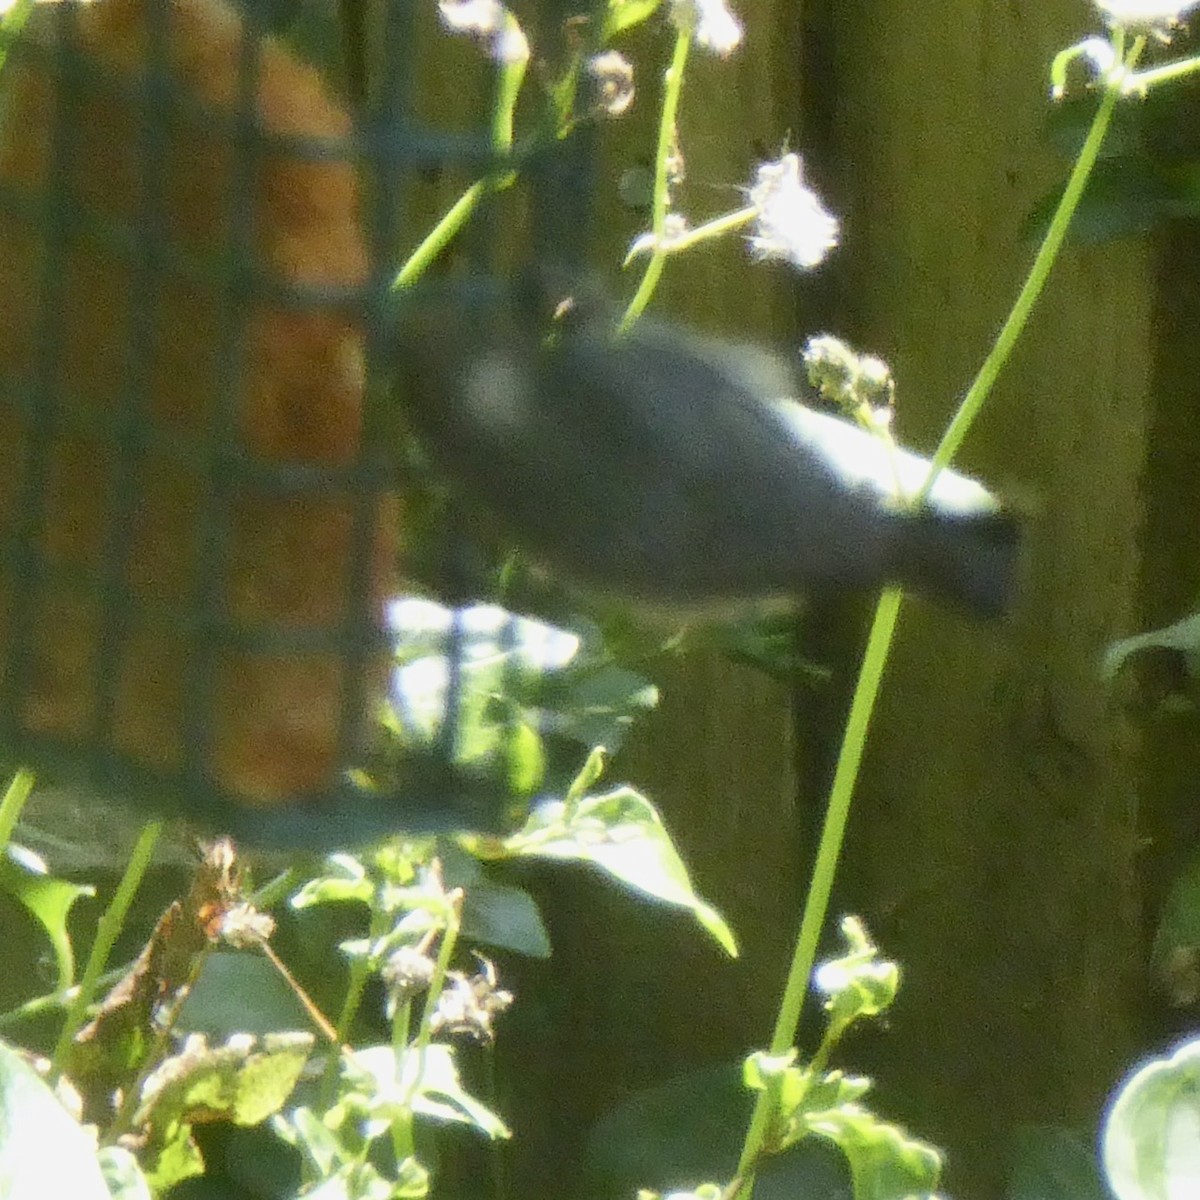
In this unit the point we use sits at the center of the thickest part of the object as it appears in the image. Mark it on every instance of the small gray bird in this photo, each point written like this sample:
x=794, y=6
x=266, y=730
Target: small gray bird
x=674, y=471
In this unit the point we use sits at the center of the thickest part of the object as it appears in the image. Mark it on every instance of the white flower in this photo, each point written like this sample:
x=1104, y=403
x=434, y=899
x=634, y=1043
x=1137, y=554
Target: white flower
x=711, y=23
x=1137, y=14
x=791, y=222
x=490, y=24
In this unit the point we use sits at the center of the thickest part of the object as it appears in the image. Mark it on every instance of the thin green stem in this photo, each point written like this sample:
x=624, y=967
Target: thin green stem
x=108, y=929
x=508, y=88
x=441, y=235
x=883, y=630
x=1035, y=282
x=1140, y=82
x=828, y=853
x=702, y=233
x=41, y=1004
x=402, y=1126
x=275, y=890
x=672, y=90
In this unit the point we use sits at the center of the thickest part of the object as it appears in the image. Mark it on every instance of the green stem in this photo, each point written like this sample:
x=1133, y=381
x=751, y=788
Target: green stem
x=673, y=89
x=108, y=929
x=883, y=629
x=828, y=852
x=402, y=1126
x=702, y=233
x=1039, y=272
x=42, y=1004
x=443, y=233
x=1140, y=82
x=440, y=236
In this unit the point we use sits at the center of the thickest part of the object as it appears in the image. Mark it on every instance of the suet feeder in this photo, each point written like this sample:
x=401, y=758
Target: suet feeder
x=199, y=508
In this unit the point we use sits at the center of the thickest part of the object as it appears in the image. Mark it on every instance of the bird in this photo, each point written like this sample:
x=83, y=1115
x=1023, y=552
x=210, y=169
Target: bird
x=678, y=472
x=221, y=393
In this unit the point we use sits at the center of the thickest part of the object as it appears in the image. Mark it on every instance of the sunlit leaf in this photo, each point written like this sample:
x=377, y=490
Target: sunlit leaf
x=1183, y=636
x=427, y=1083
x=1151, y=1138
x=620, y=833
x=885, y=1162
x=43, y=1151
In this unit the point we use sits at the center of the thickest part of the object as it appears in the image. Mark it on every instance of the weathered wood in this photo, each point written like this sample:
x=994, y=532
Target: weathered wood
x=993, y=845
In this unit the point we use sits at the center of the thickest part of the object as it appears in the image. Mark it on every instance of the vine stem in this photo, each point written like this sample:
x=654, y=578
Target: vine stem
x=883, y=629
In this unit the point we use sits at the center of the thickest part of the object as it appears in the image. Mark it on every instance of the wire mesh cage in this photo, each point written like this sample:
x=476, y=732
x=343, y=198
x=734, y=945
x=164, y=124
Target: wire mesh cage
x=200, y=507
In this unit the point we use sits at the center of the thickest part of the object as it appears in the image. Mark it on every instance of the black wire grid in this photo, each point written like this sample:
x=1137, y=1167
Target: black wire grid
x=394, y=147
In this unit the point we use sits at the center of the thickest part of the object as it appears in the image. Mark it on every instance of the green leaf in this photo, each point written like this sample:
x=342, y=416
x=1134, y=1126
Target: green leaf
x=860, y=983
x=625, y=14
x=427, y=1084
x=412, y=1181
x=885, y=1162
x=12, y=804
x=509, y=917
x=526, y=759
x=797, y=1092
x=49, y=901
x=1126, y=197
x=620, y=833
x=243, y=1081
x=345, y=879
x=1050, y=1163
x=362, y=1181
x=310, y=1135
x=526, y=694
x=1151, y=1139
x=594, y=702
x=43, y=1151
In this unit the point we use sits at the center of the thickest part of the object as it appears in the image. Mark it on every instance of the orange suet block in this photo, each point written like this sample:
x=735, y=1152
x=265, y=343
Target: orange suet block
x=283, y=553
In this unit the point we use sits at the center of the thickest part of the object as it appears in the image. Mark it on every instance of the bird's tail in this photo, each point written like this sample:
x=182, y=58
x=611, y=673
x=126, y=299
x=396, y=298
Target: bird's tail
x=971, y=560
